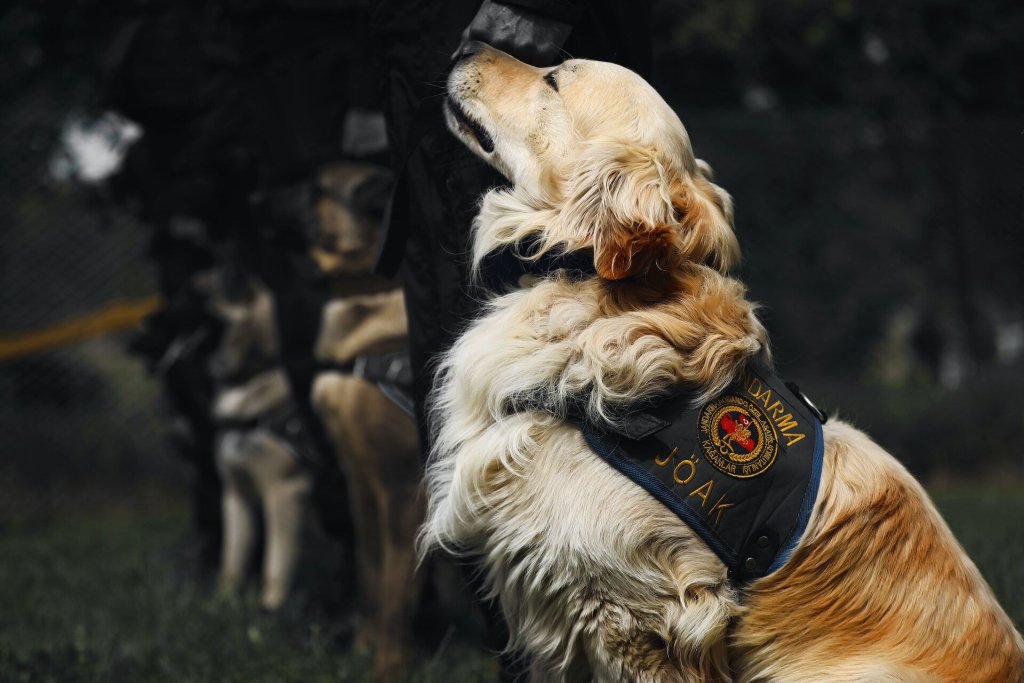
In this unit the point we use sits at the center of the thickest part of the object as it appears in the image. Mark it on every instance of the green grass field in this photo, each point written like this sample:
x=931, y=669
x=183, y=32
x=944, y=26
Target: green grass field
x=103, y=597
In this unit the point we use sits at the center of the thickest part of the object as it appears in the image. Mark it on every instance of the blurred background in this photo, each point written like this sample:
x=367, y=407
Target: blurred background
x=875, y=153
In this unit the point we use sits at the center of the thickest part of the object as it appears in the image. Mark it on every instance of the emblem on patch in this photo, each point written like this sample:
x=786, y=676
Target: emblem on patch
x=737, y=437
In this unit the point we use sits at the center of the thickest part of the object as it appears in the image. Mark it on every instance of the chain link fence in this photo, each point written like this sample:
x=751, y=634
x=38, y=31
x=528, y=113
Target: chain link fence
x=81, y=420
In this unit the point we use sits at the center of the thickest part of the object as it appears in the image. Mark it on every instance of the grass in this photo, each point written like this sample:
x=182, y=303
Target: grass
x=102, y=597
x=989, y=523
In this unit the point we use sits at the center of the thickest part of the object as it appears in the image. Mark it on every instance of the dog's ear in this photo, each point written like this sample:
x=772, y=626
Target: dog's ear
x=639, y=214
x=618, y=201
x=704, y=211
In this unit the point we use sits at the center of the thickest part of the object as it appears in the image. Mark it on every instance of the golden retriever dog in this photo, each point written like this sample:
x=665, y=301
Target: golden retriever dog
x=374, y=440
x=597, y=579
x=257, y=445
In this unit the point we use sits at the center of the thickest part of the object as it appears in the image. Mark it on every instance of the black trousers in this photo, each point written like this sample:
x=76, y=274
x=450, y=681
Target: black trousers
x=438, y=180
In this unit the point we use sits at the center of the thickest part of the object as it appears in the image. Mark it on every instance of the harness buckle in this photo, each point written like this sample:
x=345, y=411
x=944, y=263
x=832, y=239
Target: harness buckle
x=818, y=413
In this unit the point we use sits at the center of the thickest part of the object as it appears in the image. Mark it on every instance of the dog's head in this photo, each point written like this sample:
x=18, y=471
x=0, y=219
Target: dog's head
x=596, y=151
x=246, y=309
x=349, y=205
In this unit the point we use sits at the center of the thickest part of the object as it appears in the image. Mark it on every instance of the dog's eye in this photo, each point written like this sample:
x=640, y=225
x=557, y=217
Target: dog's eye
x=549, y=78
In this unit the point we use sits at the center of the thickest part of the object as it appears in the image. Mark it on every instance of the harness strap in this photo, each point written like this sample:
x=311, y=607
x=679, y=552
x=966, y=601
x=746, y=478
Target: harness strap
x=391, y=372
x=742, y=469
x=502, y=269
x=284, y=422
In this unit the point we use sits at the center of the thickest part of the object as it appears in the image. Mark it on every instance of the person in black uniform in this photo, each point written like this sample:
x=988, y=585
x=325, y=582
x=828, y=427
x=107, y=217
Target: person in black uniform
x=241, y=102
x=439, y=181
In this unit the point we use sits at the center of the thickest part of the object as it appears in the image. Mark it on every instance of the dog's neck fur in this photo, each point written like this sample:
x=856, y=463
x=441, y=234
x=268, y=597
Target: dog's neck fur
x=606, y=341
x=585, y=343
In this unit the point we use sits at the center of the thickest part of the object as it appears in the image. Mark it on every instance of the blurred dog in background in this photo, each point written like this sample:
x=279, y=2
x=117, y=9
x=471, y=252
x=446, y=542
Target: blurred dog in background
x=259, y=444
x=360, y=399
x=360, y=395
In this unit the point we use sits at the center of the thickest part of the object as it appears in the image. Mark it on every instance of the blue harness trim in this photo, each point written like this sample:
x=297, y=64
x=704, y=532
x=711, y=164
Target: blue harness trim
x=742, y=470
x=807, y=506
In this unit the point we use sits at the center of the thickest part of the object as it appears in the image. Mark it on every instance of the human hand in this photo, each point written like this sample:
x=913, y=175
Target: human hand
x=527, y=36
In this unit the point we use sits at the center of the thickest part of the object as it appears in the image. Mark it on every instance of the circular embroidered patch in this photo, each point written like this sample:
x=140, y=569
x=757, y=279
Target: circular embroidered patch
x=737, y=437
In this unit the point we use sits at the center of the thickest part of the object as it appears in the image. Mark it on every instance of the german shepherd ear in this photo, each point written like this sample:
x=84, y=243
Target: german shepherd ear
x=639, y=215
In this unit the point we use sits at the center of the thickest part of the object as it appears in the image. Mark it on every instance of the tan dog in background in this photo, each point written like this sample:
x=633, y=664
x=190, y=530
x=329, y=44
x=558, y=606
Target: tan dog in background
x=597, y=579
x=256, y=447
x=375, y=441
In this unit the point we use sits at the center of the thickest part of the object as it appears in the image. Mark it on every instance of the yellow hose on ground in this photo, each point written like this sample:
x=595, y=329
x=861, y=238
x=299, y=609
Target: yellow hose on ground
x=114, y=317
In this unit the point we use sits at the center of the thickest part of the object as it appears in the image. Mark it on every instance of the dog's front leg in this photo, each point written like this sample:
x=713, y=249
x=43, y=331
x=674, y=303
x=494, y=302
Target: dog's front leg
x=676, y=631
x=646, y=657
x=239, y=535
x=401, y=513
x=284, y=513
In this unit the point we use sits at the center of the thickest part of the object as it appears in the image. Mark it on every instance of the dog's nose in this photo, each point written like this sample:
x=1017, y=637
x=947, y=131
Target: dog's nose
x=467, y=50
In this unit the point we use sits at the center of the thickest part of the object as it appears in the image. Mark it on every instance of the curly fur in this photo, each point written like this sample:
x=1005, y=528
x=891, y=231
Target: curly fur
x=598, y=580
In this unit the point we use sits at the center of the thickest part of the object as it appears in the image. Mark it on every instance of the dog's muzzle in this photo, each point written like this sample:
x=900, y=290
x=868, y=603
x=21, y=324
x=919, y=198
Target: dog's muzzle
x=482, y=137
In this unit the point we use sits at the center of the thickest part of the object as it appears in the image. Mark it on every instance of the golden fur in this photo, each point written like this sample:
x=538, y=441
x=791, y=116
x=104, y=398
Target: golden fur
x=598, y=580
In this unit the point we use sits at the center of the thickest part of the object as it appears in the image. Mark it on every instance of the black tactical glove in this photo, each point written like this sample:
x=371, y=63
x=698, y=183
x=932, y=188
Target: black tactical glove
x=526, y=35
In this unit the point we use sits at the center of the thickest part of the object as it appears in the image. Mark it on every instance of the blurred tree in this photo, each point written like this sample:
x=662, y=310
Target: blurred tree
x=921, y=96
x=932, y=54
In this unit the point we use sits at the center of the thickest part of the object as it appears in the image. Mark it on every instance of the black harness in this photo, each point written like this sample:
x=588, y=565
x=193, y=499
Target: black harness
x=742, y=470
x=391, y=372
x=502, y=269
x=283, y=421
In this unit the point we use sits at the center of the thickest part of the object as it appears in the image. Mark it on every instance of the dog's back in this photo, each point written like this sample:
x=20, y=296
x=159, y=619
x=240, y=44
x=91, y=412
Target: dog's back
x=598, y=579
x=879, y=581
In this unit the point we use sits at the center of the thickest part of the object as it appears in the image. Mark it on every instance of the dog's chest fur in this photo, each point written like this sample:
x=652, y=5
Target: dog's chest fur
x=600, y=342
x=599, y=581
x=523, y=488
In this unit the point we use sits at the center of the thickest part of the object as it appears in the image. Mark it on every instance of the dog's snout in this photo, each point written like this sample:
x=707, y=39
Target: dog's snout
x=467, y=50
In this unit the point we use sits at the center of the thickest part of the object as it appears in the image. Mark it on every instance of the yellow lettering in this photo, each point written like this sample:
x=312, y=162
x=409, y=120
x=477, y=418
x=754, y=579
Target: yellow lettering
x=703, y=491
x=794, y=438
x=786, y=422
x=719, y=507
x=692, y=464
x=754, y=386
x=662, y=461
x=765, y=396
